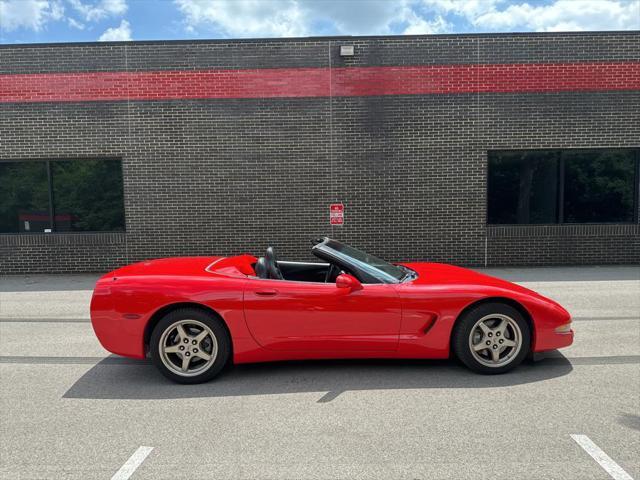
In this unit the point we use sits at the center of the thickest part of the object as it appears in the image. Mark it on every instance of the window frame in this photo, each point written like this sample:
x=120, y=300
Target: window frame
x=561, y=180
x=51, y=210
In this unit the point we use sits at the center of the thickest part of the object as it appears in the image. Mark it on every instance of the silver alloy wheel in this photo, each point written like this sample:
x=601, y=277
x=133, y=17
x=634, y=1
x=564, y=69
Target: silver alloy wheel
x=188, y=348
x=495, y=340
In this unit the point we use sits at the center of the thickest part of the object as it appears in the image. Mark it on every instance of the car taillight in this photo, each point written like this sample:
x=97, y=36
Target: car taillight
x=102, y=288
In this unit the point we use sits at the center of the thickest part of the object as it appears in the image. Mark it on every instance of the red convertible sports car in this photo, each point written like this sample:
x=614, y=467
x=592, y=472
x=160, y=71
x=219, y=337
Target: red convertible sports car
x=194, y=315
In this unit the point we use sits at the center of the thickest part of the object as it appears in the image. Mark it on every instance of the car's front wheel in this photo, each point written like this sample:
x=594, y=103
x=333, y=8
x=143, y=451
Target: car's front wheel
x=491, y=338
x=190, y=346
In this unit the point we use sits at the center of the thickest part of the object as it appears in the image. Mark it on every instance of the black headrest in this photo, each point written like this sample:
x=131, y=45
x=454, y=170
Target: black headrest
x=270, y=255
x=272, y=264
x=261, y=268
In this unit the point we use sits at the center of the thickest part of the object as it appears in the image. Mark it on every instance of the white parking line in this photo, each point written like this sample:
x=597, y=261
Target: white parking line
x=604, y=460
x=132, y=464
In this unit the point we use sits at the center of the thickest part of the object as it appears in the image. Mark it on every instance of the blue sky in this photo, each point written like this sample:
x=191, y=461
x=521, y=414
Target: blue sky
x=31, y=21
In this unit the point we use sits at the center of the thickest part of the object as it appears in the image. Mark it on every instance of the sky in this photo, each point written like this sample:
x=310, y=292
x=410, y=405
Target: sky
x=38, y=21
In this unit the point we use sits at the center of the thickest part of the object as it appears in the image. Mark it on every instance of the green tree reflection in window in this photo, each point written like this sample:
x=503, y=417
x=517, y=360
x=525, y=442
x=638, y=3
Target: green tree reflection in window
x=87, y=196
x=24, y=197
x=563, y=186
x=599, y=186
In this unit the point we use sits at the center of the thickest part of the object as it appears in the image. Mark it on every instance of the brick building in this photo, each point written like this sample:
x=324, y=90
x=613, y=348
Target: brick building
x=509, y=149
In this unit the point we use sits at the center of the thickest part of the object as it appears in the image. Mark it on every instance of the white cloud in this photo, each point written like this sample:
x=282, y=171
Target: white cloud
x=558, y=15
x=121, y=33
x=354, y=17
x=36, y=14
x=94, y=11
x=465, y=8
x=75, y=24
x=244, y=17
x=566, y=15
x=286, y=18
x=418, y=25
x=30, y=14
x=289, y=18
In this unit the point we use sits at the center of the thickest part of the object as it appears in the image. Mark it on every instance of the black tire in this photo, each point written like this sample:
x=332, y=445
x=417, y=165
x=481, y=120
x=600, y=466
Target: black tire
x=169, y=323
x=517, y=332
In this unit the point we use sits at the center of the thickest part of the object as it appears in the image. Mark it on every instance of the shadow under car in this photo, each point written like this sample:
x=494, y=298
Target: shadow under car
x=111, y=379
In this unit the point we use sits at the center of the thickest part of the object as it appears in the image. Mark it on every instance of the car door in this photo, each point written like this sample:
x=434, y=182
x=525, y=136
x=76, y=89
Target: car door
x=308, y=316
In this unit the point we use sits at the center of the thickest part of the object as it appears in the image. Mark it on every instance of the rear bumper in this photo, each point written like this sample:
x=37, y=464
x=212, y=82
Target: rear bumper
x=116, y=333
x=119, y=336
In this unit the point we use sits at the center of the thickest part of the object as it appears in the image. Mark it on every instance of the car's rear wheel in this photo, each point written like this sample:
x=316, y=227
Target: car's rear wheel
x=491, y=338
x=190, y=346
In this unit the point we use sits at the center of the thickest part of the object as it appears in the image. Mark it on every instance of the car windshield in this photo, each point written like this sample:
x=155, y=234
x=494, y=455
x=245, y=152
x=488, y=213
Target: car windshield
x=397, y=273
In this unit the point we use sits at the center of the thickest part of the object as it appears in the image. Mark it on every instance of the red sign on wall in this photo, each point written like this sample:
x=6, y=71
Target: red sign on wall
x=336, y=214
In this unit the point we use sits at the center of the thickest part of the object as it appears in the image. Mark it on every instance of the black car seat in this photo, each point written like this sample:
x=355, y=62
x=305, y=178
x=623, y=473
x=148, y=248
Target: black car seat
x=272, y=265
x=261, y=268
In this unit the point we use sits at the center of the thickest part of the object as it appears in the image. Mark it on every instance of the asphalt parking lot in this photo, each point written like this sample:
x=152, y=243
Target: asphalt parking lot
x=71, y=410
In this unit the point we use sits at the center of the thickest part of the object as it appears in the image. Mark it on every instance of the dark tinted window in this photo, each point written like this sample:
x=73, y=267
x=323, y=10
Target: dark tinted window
x=87, y=196
x=24, y=197
x=523, y=187
x=562, y=186
x=599, y=186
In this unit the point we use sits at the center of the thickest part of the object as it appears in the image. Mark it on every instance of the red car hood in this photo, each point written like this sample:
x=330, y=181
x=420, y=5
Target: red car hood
x=440, y=273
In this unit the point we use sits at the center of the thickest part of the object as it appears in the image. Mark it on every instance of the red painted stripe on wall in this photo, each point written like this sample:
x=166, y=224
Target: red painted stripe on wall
x=314, y=82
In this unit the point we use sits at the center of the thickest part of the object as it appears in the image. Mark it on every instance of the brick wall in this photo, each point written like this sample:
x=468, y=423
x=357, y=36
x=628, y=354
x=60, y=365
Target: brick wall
x=399, y=133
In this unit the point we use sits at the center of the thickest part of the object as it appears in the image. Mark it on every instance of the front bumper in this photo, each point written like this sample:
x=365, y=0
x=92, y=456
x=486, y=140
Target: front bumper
x=551, y=340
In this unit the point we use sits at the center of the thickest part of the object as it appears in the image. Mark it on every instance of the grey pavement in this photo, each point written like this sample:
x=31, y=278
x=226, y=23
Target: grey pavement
x=68, y=409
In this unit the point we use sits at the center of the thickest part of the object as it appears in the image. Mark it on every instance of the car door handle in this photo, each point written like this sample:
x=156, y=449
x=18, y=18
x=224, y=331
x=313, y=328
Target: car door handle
x=266, y=293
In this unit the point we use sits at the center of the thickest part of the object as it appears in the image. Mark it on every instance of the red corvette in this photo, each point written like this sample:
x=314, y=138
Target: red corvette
x=194, y=315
